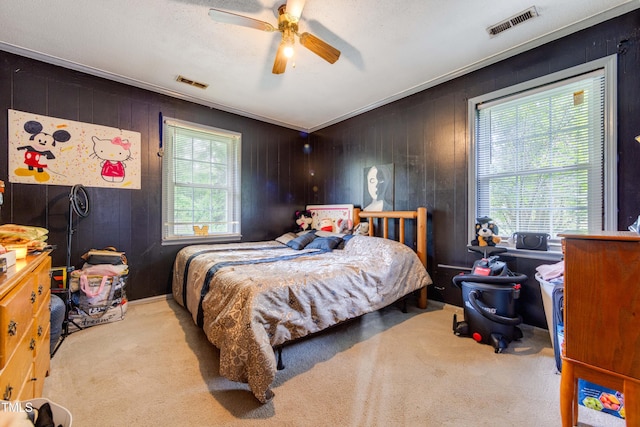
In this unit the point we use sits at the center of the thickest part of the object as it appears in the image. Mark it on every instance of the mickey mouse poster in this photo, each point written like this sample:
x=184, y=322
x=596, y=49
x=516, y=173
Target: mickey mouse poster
x=48, y=150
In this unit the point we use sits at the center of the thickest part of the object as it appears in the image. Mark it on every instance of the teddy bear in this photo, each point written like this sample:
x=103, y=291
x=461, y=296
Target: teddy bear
x=303, y=220
x=486, y=232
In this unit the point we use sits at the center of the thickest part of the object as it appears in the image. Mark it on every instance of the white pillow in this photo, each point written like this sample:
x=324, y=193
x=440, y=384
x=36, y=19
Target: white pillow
x=321, y=233
x=286, y=238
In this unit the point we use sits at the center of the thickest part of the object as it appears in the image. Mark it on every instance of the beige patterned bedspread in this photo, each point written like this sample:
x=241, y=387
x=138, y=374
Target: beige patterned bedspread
x=250, y=306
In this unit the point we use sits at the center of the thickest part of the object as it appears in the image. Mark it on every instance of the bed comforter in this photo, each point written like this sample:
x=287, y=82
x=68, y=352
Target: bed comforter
x=249, y=297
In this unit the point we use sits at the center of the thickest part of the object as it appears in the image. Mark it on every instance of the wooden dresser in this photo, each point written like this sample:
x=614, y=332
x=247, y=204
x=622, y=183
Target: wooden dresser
x=602, y=319
x=25, y=291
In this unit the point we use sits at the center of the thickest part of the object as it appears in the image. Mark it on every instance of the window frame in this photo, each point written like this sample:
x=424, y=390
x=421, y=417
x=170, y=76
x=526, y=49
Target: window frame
x=610, y=196
x=168, y=186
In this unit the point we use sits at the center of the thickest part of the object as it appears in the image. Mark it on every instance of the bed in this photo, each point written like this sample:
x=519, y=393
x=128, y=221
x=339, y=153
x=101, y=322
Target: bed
x=251, y=298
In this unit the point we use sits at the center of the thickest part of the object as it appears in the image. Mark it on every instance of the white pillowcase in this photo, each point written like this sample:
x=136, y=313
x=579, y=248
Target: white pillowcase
x=321, y=233
x=286, y=238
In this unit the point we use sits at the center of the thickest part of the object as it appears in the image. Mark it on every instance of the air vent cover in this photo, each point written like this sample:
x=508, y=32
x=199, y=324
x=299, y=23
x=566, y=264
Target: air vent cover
x=183, y=79
x=521, y=17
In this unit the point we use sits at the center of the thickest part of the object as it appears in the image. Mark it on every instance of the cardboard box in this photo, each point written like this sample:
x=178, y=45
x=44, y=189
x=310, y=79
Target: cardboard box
x=9, y=259
x=600, y=399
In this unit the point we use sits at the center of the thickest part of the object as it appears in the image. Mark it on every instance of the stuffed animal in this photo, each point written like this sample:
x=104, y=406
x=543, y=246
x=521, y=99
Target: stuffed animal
x=486, y=232
x=361, y=229
x=303, y=220
x=326, y=224
x=344, y=226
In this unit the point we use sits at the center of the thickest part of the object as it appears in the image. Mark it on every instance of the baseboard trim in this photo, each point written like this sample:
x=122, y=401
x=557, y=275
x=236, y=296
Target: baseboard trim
x=149, y=300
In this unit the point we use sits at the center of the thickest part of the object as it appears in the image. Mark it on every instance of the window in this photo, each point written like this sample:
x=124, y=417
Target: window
x=200, y=183
x=543, y=154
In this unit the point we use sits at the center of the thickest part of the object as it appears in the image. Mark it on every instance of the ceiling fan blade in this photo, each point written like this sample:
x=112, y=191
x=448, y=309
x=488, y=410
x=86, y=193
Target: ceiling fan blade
x=243, y=21
x=294, y=8
x=280, y=63
x=319, y=47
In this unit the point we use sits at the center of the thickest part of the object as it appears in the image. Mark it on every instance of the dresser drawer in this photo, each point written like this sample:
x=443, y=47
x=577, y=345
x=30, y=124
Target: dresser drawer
x=16, y=313
x=41, y=329
x=17, y=370
x=41, y=365
x=42, y=284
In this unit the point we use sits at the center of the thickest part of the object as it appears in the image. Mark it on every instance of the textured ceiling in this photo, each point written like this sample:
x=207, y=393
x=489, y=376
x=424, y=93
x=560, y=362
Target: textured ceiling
x=390, y=49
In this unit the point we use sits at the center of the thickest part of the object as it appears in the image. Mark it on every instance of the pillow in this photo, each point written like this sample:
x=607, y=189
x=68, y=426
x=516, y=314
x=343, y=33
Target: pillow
x=321, y=233
x=301, y=241
x=327, y=243
x=286, y=238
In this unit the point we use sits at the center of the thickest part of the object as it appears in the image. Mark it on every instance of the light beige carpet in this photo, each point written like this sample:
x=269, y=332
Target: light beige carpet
x=156, y=368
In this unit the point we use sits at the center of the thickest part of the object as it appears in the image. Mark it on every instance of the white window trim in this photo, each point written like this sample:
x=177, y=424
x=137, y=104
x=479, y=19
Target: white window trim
x=610, y=66
x=219, y=238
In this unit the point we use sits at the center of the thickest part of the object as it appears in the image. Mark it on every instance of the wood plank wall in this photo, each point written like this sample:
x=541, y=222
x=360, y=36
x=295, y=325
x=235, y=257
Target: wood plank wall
x=426, y=137
x=130, y=220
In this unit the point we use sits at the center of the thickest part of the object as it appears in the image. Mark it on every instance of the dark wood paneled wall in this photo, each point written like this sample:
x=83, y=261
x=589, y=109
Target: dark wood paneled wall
x=426, y=137
x=130, y=220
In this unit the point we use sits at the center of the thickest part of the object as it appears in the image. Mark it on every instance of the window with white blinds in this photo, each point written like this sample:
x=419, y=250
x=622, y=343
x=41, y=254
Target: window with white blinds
x=200, y=183
x=541, y=158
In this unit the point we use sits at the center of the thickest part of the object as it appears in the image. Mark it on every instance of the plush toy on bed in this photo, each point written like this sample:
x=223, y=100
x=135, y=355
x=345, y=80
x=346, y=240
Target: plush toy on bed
x=303, y=220
x=486, y=232
x=344, y=226
x=326, y=224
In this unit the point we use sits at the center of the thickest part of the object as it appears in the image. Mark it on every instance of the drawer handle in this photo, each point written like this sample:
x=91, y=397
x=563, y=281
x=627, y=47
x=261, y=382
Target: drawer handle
x=33, y=297
x=7, y=392
x=13, y=328
x=40, y=330
x=40, y=289
x=32, y=344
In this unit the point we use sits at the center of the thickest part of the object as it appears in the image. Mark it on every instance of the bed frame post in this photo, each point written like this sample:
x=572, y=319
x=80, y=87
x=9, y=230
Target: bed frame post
x=422, y=250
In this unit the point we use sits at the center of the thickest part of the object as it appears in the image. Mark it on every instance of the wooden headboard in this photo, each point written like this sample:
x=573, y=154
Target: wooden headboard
x=383, y=217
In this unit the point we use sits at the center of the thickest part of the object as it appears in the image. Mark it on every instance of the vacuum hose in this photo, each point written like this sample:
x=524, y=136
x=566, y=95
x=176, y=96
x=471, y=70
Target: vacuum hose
x=485, y=311
x=497, y=280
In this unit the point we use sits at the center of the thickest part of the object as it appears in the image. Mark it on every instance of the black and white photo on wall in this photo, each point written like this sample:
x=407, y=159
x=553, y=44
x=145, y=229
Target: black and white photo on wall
x=378, y=188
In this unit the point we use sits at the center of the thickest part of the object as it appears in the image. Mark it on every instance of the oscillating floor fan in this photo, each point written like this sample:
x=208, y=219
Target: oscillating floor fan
x=78, y=205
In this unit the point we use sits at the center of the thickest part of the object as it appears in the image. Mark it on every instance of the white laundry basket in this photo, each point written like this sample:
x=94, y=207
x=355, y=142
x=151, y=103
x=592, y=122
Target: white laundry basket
x=10, y=410
x=546, y=289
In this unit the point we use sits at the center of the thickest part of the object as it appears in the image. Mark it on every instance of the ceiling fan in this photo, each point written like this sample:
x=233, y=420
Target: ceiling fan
x=288, y=17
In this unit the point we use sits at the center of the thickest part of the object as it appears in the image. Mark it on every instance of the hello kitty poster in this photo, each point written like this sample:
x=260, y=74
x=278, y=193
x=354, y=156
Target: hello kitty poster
x=49, y=150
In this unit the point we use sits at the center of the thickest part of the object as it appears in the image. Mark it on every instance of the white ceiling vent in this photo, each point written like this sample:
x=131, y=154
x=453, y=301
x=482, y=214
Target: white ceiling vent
x=194, y=83
x=521, y=17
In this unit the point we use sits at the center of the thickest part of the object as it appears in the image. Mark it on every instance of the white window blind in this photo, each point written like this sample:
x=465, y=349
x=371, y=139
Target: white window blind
x=201, y=183
x=542, y=153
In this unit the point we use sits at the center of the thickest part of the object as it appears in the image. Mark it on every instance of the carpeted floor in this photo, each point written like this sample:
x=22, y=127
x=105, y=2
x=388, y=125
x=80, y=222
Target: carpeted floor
x=388, y=368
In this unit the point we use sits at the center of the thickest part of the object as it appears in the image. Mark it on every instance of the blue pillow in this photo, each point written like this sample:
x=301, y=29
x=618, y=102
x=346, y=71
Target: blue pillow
x=301, y=241
x=327, y=243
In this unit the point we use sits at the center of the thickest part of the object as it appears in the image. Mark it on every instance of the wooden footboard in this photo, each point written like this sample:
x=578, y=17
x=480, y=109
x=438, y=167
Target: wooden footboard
x=381, y=218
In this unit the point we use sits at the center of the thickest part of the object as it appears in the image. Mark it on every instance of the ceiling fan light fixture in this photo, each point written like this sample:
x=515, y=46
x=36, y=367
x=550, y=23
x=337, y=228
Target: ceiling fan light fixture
x=288, y=51
x=288, y=40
